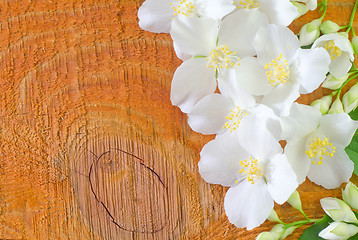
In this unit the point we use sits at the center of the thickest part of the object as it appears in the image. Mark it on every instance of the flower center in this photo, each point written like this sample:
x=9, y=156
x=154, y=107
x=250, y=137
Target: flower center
x=222, y=58
x=278, y=71
x=184, y=7
x=246, y=4
x=251, y=169
x=318, y=148
x=234, y=118
x=333, y=50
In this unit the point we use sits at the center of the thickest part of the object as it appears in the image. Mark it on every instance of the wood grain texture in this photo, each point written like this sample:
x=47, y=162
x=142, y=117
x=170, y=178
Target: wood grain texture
x=90, y=145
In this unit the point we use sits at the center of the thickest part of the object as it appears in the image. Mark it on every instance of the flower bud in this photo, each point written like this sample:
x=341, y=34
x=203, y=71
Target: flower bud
x=288, y=231
x=338, y=231
x=329, y=27
x=350, y=195
x=275, y=233
x=334, y=83
x=309, y=32
x=273, y=216
x=338, y=210
x=337, y=107
x=278, y=228
x=301, y=8
x=295, y=201
x=355, y=44
x=267, y=236
x=322, y=104
x=350, y=99
x=311, y=4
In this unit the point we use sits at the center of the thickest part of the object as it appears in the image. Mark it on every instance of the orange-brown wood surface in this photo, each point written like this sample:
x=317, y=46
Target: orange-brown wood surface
x=90, y=145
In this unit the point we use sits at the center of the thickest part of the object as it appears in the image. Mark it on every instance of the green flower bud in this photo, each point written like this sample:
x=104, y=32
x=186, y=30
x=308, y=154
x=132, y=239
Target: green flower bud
x=322, y=104
x=338, y=231
x=273, y=216
x=295, y=201
x=278, y=228
x=310, y=32
x=334, y=83
x=337, y=107
x=350, y=195
x=275, y=233
x=301, y=8
x=267, y=236
x=350, y=99
x=355, y=44
x=338, y=210
x=288, y=231
x=329, y=27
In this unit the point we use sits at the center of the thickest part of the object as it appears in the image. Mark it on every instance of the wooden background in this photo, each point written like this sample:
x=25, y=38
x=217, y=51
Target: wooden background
x=90, y=145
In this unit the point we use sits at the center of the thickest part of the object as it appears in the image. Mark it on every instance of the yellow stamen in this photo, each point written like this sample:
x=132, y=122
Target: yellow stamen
x=333, y=50
x=278, y=71
x=251, y=169
x=318, y=149
x=246, y=4
x=184, y=7
x=234, y=118
x=222, y=58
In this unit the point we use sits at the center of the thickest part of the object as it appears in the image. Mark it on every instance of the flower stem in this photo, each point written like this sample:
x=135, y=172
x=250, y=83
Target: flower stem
x=350, y=24
x=324, y=5
x=302, y=222
x=304, y=214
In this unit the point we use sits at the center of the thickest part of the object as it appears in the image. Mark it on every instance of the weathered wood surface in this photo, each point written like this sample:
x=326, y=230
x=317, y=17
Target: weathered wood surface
x=90, y=145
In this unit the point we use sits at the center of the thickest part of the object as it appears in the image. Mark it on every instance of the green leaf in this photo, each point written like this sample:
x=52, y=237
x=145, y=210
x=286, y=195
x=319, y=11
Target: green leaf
x=352, y=148
x=312, y=232
x=354, y=114
x=352, y=151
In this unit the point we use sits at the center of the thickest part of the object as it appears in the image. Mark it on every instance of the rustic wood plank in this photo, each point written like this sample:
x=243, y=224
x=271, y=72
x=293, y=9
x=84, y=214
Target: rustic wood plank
x=90, y=145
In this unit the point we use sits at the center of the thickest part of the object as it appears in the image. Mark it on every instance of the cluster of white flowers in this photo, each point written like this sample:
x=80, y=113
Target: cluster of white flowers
x=242, y=71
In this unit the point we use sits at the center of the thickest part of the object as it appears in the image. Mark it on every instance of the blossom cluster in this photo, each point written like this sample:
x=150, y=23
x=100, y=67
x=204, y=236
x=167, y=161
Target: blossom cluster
x=242, y=71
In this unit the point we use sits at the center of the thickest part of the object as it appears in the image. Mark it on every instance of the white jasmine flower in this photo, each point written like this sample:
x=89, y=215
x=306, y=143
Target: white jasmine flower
x=229, y=111
x=282, y=70
x=254, y=168
x=340, y=51
x=350, y=195
x=213, y=51
x=338, y=231
x=281, y=12
x=156, y=15
x=316, y=143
